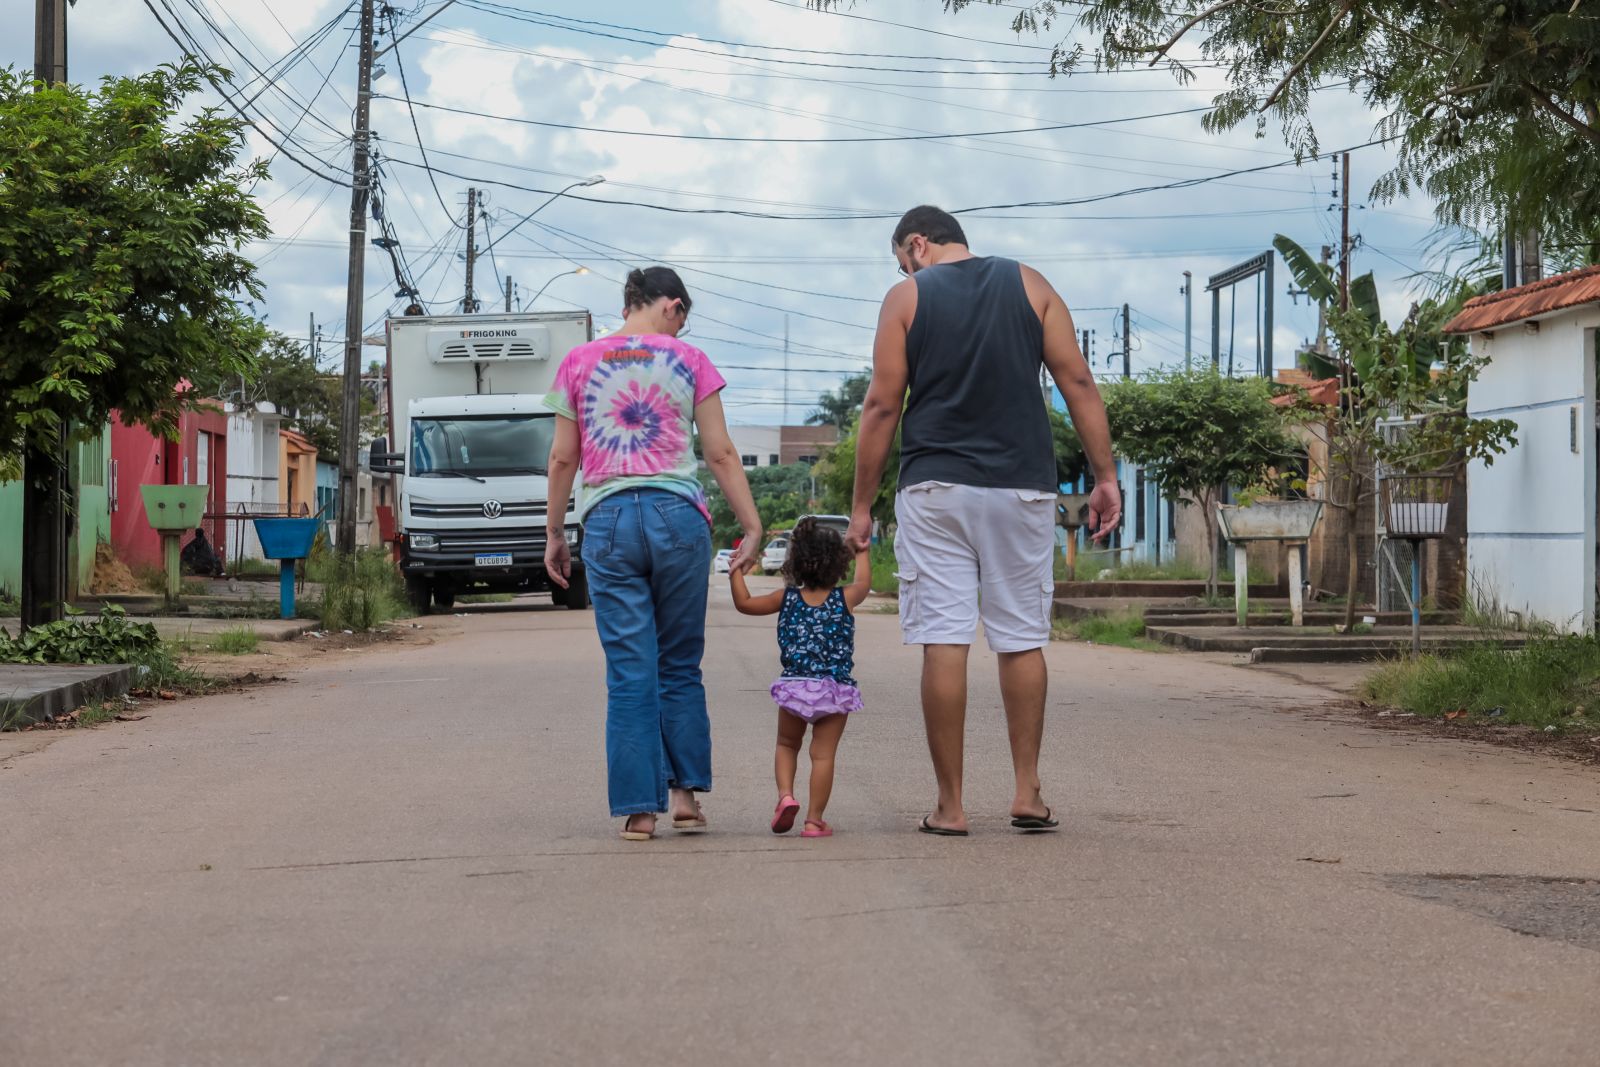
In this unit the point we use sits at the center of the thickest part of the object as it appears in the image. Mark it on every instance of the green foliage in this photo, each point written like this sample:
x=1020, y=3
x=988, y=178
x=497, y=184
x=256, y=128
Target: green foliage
x=363, y=592
x=110, y=638
x=120, y=224
x=239, y=641
x=885, y=568
x=1546, y=682
x=782, y=495
x=1125, y=630
x=839, y=407
x=1495, y=104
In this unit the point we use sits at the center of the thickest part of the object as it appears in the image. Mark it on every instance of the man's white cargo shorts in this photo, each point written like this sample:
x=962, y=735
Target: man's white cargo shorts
x=967, y=552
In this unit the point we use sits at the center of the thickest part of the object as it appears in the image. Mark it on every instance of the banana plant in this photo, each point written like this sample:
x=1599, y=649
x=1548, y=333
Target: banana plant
x=1318, y=281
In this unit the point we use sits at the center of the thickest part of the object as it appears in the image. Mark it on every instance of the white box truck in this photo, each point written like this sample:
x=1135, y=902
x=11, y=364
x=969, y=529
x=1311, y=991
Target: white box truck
x=471, y=437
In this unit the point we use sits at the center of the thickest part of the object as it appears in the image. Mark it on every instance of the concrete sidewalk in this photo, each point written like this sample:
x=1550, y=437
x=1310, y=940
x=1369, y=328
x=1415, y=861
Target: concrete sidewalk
x=174, y=627
x=31, y=692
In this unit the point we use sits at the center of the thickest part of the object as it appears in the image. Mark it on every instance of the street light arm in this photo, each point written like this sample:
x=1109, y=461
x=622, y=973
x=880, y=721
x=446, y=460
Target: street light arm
x=546, y=285
x=390, y=47
x=554, y=197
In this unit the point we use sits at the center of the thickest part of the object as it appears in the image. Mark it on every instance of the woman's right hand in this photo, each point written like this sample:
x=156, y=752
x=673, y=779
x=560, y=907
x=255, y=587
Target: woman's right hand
x=558, y=559
x=744, y=557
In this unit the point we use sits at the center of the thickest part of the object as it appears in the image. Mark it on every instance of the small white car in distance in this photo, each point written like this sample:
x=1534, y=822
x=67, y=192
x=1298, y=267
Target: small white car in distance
x=775, y=555
x=720, y=562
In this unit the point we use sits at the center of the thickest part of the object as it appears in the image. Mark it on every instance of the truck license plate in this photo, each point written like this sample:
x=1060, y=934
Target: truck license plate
x=492, y=559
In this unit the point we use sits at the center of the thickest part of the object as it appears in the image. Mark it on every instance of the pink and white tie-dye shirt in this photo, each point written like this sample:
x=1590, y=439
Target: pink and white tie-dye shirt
x=633, y=399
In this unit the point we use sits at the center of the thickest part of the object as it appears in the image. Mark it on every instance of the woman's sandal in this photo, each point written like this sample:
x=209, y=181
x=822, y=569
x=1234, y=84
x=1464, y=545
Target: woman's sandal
x=822, y=829
x=698, y=822
x=636, y=835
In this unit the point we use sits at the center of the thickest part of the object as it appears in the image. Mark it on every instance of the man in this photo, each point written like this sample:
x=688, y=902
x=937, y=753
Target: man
x=976, y=506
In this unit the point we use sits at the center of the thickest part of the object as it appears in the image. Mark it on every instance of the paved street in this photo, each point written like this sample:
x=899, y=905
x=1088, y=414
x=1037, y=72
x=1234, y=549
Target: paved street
x=401, y=856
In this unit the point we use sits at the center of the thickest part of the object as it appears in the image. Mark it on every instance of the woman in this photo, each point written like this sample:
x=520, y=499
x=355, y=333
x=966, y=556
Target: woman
x=627, y=407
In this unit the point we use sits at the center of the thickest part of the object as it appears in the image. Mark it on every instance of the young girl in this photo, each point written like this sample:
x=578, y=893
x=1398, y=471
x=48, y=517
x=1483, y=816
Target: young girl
x=817, y=641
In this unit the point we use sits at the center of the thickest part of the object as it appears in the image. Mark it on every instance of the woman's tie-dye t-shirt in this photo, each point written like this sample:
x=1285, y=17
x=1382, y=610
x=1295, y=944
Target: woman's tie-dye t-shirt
x=633, y=399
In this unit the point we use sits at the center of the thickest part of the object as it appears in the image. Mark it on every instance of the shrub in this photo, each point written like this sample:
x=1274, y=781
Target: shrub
x=110, y=638
x=363, y=592
x=239, y=641
x=1549, y=679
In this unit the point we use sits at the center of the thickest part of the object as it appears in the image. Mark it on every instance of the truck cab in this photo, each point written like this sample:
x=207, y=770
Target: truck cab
x=470, y=465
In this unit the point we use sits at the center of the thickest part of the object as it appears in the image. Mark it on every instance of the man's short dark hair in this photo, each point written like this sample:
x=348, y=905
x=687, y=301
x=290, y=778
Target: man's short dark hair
x=936, y=224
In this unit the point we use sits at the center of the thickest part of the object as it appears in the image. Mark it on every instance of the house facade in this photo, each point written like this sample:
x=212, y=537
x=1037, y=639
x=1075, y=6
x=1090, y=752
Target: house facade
x=297, y=474
x=197, y=456
x=89, y=517
x=253, y=467
x=1531, y=529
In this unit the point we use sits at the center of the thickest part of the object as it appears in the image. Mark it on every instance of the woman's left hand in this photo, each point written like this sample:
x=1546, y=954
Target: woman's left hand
x=558, y=559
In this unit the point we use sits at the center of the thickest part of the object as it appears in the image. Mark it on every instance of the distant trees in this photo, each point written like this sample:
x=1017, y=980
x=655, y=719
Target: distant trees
x=839, y=407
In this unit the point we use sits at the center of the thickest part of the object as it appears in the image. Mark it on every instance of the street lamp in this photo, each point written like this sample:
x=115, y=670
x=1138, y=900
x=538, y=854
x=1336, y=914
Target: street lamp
x=583, y=183
x=546, y=285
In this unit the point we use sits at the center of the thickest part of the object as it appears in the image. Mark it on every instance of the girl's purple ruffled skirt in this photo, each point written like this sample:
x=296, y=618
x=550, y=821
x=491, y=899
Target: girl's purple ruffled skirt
x=814, y=698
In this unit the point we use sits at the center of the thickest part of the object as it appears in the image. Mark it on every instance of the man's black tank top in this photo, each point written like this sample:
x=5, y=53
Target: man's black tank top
x=976, y=415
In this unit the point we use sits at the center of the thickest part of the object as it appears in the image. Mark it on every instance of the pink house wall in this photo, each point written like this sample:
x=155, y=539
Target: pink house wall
x=141, y=458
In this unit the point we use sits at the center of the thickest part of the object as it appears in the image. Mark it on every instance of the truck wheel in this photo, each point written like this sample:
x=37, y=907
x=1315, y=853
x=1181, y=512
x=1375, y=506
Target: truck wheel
x=444, y=599
x=576, y=596
x=418, y=594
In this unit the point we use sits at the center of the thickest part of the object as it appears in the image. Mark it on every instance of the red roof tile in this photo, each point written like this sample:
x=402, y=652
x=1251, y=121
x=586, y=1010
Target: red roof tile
x=1325, y=391
x=1528, y=301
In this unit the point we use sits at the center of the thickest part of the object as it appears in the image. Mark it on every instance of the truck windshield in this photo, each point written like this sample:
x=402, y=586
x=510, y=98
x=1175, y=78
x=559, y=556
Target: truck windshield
x=480, y=446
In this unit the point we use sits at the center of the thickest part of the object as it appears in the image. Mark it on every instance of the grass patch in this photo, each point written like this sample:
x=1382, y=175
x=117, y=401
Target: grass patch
x=486, y=598
x=361, y=593
x=97, y=713
x=1551, y=681
x=1123, y=629
x=154, y=580
x=239, y=641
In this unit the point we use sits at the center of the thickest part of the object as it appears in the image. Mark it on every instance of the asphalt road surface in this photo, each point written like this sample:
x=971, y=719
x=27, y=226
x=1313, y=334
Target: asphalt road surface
x=402, y=856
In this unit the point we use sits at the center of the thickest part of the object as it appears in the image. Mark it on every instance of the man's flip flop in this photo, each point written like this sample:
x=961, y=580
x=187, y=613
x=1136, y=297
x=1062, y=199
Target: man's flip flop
x=927, y=827
x=1036, y=823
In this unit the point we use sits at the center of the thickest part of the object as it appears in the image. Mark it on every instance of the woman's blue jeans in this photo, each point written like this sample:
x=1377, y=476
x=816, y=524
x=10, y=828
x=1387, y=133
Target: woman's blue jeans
x=648, y=556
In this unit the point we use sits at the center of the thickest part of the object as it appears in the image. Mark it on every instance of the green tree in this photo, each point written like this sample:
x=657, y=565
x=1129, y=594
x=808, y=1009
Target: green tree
x=123, y=211
x=1197, y=431
x=120, y=226
x=1416, y=375
x=782, y=495
x=1494, y=104
x=839, y=407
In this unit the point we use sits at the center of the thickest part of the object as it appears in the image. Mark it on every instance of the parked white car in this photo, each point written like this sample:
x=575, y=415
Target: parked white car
x=720, y=563
x=775, y=555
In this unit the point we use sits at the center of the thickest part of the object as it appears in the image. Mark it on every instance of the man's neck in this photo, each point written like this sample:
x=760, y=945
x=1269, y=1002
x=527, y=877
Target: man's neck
x=950, y=253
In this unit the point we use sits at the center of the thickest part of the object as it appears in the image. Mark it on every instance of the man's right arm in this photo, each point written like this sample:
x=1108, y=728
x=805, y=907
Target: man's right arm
x=880, y=413
x=1072, y=375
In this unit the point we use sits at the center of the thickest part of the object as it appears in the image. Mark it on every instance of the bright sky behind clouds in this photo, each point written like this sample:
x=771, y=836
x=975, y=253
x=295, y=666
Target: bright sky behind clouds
x=800, y=119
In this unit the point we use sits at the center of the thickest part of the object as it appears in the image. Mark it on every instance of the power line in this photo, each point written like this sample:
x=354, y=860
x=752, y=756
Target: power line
x=405, y=87
x=658, y=135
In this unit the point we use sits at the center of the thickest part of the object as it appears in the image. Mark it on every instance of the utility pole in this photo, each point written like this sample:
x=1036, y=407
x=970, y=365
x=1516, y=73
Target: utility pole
x=508, y=292
x=1188, y=317
x=1344, y=233
x=360, y=190
x=1127, y=346
x=44, y=465
x=468, y=305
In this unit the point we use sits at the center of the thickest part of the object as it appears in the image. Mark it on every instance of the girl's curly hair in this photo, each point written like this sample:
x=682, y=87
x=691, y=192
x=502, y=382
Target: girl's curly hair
x=817, y=556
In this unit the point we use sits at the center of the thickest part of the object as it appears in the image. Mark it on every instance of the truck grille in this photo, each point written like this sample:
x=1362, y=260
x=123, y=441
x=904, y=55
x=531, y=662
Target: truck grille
x=520, y=509
x=510, y=541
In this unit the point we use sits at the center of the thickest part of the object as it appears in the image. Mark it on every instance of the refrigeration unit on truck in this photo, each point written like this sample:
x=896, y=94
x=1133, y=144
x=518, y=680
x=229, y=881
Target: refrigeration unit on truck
x=471, y=437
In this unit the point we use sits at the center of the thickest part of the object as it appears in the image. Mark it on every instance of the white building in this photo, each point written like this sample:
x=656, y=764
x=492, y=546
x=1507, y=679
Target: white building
x=1532, y=518
x=759, y=446
x=252, y=473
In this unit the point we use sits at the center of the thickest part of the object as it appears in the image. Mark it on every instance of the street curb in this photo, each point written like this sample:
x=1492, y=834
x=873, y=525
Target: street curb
x=99, y=682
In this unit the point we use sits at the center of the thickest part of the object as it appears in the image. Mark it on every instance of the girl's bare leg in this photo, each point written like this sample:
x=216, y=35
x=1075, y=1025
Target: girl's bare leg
x=825, y=734
x=786, y=761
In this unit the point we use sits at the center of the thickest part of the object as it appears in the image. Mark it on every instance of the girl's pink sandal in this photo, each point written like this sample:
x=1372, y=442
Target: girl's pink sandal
x=816, y=828
x=783, y=816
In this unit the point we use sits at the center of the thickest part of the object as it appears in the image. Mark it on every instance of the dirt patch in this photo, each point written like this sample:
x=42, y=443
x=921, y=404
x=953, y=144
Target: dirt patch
x=1578, y=745
x=111, y=575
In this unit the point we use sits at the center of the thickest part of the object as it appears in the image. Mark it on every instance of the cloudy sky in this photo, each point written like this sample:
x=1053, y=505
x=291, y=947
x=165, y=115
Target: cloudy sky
x=760, y=148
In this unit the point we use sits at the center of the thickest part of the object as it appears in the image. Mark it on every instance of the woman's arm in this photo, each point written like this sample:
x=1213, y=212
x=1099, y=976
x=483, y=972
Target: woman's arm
x=563, y=470
x=769, y=604
x=723, y=459
x=857, y=590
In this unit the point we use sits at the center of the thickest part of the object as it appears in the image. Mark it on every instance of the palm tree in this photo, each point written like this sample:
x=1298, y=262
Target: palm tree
x=838, y=407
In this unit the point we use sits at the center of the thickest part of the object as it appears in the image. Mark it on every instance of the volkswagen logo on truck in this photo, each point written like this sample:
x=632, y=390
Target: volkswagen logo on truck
x=492, y=509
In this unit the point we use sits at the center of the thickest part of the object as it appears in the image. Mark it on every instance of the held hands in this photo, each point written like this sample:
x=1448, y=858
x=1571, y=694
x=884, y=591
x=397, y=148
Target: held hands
x=744, y=557
x=858, y=538
x=558, y=559
x=1105, y=509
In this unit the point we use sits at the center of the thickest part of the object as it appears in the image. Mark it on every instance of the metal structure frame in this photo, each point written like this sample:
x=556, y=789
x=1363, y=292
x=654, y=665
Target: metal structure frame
x=1261, y=264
